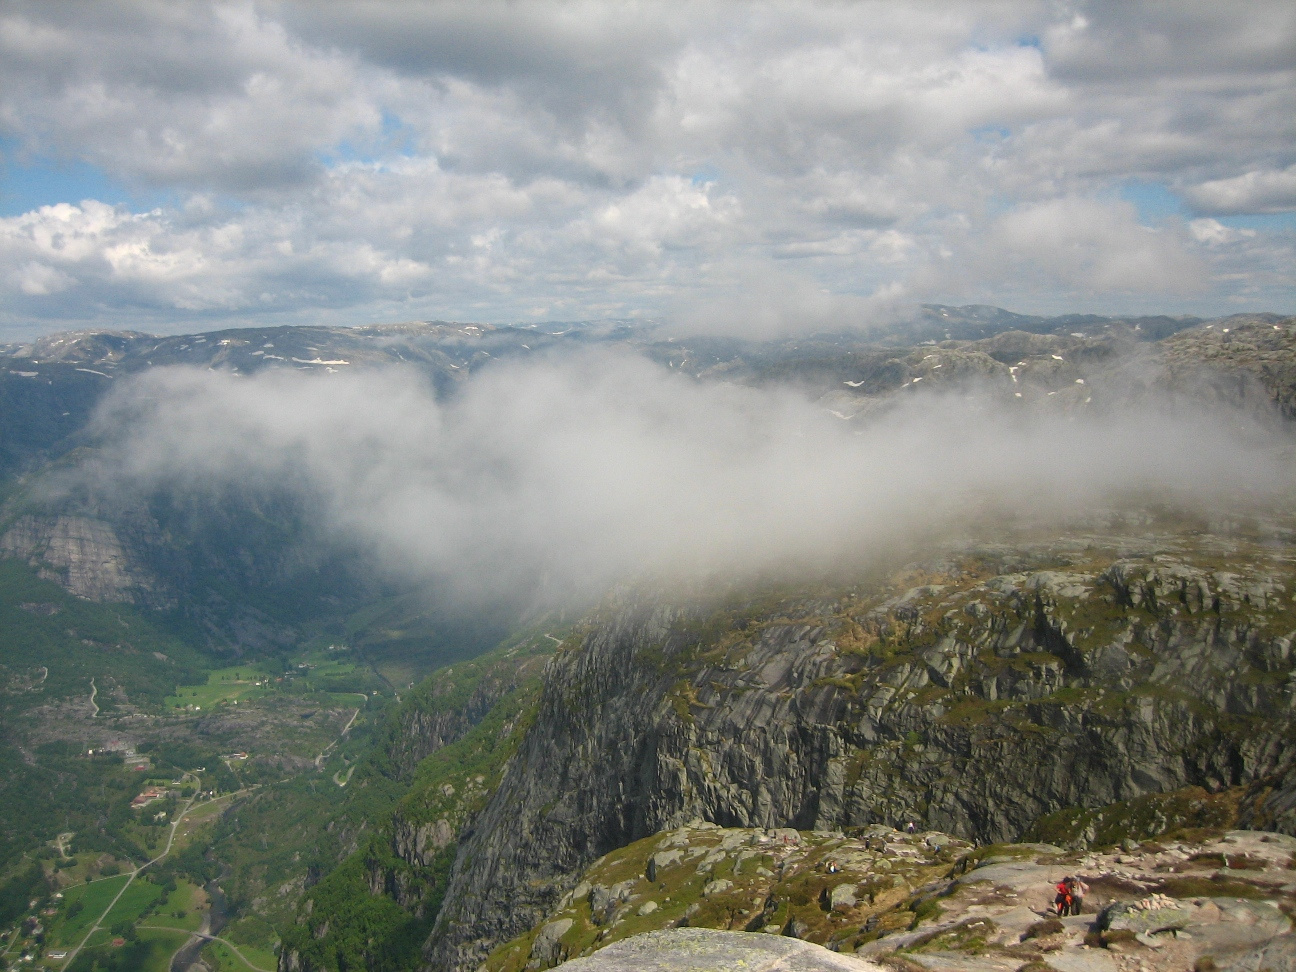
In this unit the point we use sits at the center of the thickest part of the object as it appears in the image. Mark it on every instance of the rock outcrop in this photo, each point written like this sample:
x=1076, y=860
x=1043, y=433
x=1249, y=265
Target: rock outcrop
x=971, y=697
x=1196, y=899
x=687, y=949
x=85, y=556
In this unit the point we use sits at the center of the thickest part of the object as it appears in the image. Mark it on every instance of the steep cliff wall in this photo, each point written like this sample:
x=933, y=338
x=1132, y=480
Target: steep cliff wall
x=84, y=555
x=971, y=697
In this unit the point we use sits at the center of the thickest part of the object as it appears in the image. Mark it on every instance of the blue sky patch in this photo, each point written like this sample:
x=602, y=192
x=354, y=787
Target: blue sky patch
x=28, y=185
x=1153, y=201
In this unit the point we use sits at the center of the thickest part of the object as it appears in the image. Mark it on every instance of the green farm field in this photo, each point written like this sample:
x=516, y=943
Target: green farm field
x=151, y=952
x=162, y=945
x=253, y=959
x=187, y=899
x=223, y=685
x=134, y=902
x=93, y=899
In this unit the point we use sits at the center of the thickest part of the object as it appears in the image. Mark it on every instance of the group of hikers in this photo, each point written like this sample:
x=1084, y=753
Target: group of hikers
x=1071, y=892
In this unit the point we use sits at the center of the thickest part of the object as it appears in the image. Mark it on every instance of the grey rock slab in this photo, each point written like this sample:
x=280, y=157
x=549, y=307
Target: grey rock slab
x=1145, y=921
x=1276, y=955
x=1017, y=875
x=661, y=860
x=1012, y=923
x=1082, y=960
x=843, y=896
x=1225, y=924
x=963, y=963
x=707, y=950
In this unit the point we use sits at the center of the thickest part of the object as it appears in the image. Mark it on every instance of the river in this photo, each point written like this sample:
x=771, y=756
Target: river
x=212, y=924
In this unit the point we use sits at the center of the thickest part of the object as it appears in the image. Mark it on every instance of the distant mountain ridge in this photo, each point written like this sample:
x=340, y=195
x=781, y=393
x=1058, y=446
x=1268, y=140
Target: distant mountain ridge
x=49, y=386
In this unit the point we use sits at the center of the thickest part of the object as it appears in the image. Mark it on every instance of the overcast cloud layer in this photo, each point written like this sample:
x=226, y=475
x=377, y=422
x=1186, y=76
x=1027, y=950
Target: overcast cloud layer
x=556, y=479
x=170, y=164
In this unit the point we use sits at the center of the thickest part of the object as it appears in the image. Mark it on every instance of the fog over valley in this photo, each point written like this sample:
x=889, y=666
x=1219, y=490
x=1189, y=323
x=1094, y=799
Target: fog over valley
x=581, y=471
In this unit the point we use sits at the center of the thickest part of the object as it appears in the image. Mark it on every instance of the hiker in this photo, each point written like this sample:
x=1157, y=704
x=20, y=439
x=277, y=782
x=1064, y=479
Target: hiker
x=1062, y=900
x=911, y=827
x=1078, y=891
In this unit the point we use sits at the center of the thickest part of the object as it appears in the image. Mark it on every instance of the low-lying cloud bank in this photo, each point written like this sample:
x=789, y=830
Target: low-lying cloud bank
x=558, y=479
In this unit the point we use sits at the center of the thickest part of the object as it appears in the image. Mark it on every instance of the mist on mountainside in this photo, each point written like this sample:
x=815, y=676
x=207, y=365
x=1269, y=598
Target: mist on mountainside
x=554, y=479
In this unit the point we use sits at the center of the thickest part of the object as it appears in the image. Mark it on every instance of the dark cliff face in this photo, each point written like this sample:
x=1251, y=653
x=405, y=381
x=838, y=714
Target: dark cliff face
x=971, y=698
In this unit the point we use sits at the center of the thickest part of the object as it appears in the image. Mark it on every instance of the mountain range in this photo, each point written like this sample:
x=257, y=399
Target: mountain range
x=528, y=781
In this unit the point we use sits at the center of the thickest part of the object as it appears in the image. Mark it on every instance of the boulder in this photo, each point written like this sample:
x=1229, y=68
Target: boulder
x=662, y=859
x=842, y=897
x=1147, y=916
x=547, y=949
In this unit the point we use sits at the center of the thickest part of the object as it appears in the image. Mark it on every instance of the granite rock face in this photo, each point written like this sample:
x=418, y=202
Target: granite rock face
x=690, y=949
x=971, y=697
x=441, y=712
x=1276, y=955
x=84, y=555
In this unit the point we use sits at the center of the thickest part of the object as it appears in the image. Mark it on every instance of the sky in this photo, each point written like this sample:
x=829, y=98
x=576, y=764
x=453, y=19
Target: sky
x=762, y=167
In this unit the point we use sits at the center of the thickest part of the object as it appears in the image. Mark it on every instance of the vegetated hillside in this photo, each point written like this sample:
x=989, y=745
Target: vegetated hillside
x=57, y=650
x=972, y=693
x=438, y=762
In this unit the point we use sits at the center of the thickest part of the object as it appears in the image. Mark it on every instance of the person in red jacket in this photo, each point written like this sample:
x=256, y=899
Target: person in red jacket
x=1062, y=901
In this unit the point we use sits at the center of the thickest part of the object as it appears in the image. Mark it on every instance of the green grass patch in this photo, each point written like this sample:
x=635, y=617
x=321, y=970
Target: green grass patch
x=970, y=937
x=181, y=910
x=203, y=812
x=162, y=944
x=1152, y=815
x=1214, y=887
x=82, y=906
x=136, y=900
x=223, y=685
x=224, y=958
x=252, y=930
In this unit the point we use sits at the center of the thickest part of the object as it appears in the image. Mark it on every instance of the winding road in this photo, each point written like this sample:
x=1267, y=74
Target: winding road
x=93, y=692
x=319, y=760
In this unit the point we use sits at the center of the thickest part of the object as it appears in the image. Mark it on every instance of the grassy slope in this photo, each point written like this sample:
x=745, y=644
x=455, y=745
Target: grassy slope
x=43, y=626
